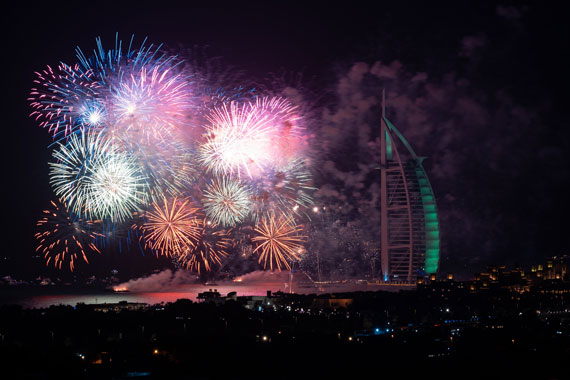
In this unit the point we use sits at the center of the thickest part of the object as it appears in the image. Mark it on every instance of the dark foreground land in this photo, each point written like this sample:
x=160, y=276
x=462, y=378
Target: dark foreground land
x=441, y=330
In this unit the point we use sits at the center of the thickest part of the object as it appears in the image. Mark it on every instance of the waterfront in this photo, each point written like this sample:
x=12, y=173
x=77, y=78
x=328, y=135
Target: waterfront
x=45, y=296
x=42, y=298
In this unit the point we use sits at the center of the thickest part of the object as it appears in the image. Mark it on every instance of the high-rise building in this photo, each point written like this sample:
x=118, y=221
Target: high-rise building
x=410, y=239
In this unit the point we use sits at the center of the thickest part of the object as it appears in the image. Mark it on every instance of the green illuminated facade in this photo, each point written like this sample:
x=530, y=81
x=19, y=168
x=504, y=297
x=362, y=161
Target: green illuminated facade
x=409, y=222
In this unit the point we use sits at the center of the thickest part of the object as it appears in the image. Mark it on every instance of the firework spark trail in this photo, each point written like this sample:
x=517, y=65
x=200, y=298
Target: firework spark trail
x=236, y=140
x=211, y=248
x=242, y=137
x=149, y=104
x=287, y=132
x=169, y=166
x=286, y=191
x=109, y=64
x=96, y=179
x=172, y=227
x=74, y=161
x=279, y=241
x=63, y=238
x=226, y=201
x=65, y=98
x=118, y=187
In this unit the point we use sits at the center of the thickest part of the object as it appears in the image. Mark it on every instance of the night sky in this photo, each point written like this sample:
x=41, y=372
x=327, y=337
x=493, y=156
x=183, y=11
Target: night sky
x=480, y=88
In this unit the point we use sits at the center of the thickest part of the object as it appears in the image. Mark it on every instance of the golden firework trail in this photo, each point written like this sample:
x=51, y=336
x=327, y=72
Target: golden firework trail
x=279, y=241
x=172, y=227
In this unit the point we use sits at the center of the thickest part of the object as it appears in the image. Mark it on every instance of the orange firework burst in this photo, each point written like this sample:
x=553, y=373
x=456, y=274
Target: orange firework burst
x=63, y=238
x=172, y=227
x=211, y=249
x=279, y=241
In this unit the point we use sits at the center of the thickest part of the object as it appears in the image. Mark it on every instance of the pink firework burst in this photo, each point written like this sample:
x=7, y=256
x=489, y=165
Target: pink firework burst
x=250, y=137
x=65, y=98
x=149, y=105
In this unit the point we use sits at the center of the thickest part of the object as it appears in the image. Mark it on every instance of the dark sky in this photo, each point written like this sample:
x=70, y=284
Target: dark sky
x=490, y=110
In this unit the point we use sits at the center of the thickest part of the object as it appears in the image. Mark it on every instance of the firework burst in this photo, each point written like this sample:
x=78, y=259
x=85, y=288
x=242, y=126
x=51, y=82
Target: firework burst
x=286, y=191
x=241, y=138
x=64, y=99
x=226, y=201
x=278, y=240
x=171, y=168
x=109, y=64
x=96, y=179
x=64, y=239
x=149, y=104
x=286, y=128
x=236, y=140
x=172, y=227
x=211, y=248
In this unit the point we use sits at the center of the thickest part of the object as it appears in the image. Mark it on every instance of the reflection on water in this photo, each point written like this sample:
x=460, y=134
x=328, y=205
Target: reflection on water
x=45, y=297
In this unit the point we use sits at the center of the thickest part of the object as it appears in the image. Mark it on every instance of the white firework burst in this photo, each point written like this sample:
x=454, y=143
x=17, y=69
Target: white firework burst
x=226, y=201
x=96, y=179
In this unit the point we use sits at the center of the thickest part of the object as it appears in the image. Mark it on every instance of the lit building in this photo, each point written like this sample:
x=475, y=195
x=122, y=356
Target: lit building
x=409, y=224
x=557, y=268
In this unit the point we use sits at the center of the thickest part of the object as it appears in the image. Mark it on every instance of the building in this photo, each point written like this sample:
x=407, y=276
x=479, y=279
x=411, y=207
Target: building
x=408, y=215
x=331, y=302
x=211, y=296
x=117, y=307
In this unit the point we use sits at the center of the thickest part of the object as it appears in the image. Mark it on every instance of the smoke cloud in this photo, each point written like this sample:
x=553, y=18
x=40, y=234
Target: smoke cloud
x=156, y=282
x=479, y=146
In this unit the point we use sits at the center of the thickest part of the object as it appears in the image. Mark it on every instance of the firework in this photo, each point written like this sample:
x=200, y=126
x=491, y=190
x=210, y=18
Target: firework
x=287, y=129
x=246, y=138
x=149, y=104
x=139, y=134
x=214, y=79
x=117, y=187
x=226, y=201
x=211, y=248
x=287, y=190
x=170, y=167
x=64, y=99
x=236, y=140
x=172, y=227
x=108, y=64
x=118, y=235
x=278, y=241
x=93, y=113
x=96, y=179
x=65, y=239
